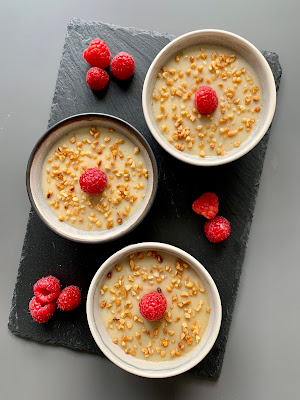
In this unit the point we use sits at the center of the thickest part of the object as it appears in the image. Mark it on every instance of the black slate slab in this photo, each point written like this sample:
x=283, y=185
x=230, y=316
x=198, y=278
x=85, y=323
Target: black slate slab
x=170, y=220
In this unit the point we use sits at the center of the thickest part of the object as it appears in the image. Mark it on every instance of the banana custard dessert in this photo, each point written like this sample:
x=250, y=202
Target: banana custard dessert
x=94, y=178
x=154, y=306
x=206, y=100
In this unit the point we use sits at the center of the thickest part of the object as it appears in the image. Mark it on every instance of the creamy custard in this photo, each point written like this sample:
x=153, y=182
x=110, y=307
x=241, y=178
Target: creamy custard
x=186, y=317
x=95, y=147
x=238, y=90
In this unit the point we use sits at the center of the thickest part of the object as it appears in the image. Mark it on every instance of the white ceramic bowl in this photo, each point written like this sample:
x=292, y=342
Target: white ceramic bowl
x=150, y=369
x=250, y=53
x=34, y=174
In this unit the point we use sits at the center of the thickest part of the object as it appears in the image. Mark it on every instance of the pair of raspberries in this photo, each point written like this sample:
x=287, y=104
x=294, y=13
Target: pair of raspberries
x=48, y=295
x=218, y=228
x=98, y=55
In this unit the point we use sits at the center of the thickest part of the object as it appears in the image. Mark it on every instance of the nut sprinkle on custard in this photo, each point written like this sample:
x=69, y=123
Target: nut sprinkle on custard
x=206, y=100
x=154, y=306
x=94, y=179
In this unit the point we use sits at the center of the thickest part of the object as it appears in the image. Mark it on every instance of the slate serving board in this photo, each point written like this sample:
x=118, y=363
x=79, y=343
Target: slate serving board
x=170, y=220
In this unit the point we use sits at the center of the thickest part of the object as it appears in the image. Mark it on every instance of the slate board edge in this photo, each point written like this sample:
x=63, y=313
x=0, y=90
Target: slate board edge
x=13, y=318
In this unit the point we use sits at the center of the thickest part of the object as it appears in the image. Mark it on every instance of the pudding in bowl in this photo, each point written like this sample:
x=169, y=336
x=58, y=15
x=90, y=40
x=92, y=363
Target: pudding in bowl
x=88, y=146
x=185, y=320
x=176, y=341
x=244, y=91
x=236, y=85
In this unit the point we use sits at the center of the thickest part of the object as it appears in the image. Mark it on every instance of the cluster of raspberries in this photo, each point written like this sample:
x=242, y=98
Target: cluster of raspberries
x=218, y=228
x=48, y=295
x=98, y=55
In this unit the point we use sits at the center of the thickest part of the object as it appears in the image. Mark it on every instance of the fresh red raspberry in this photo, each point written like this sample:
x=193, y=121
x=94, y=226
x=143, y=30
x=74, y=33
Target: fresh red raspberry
x=47, y=289
x=217, y=229
x=69, y=298
x=97, y=54
x=97, y=78
x=207, y=205
x=122, y=65
x=206, y=99
x=93, y=181
x=41, y=312
x=153, y=305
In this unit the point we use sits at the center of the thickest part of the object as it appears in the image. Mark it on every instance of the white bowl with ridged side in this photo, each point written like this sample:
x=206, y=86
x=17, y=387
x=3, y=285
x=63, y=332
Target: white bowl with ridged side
x=251, y=55
x=147, y=368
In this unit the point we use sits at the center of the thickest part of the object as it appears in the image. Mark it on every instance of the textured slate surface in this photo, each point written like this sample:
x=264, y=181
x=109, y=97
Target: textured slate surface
x=170, y=219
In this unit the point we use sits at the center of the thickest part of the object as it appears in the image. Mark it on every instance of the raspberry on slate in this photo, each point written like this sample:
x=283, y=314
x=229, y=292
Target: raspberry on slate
x=97, y=78
x=69, y=298
x=47, y=289
x=97, y=54
x=206, y=99
x=41, y=312
x=93, y=181
x=122, y=65
x=217, y=229
x=207, y=205
x=153, y=305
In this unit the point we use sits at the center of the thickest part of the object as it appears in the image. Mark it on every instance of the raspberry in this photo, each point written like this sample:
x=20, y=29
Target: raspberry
x=41, y=312
x=97, y=78
x=47, y=289
x=122, y=65
x=217, y=229
x=97, y=54
x=153, y=305
x=69, y=298
x=207, y=205
x=206, y=99
x=93, y=181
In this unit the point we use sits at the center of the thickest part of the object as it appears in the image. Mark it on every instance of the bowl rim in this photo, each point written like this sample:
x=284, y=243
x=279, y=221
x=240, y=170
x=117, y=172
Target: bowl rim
x=199, y=268
x=215, y=160
x=79, y=117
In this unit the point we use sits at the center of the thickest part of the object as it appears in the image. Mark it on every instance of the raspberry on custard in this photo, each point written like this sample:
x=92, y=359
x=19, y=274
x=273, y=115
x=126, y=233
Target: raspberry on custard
x=207, y=205
x=93, y=181
x=122, y=65
x=47, y=289
x=206, y=99
x=217, y=229
x=97, y=54
x=69, y=298
x=153, y=305
x=41, y=312
x=97, y=78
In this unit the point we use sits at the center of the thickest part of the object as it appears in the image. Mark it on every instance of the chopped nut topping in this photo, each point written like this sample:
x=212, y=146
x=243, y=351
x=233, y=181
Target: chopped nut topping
x=220, y=68
x=124, y=289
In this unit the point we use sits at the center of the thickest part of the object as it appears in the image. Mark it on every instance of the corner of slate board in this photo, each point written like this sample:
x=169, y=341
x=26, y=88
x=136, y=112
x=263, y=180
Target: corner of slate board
x=170, y=219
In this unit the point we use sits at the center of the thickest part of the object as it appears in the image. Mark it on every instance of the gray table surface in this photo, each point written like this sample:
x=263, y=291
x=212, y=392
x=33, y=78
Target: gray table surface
x=261, y=360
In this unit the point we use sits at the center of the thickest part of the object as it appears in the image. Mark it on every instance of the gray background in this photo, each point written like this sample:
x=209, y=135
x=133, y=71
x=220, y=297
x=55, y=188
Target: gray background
x=261, y=360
